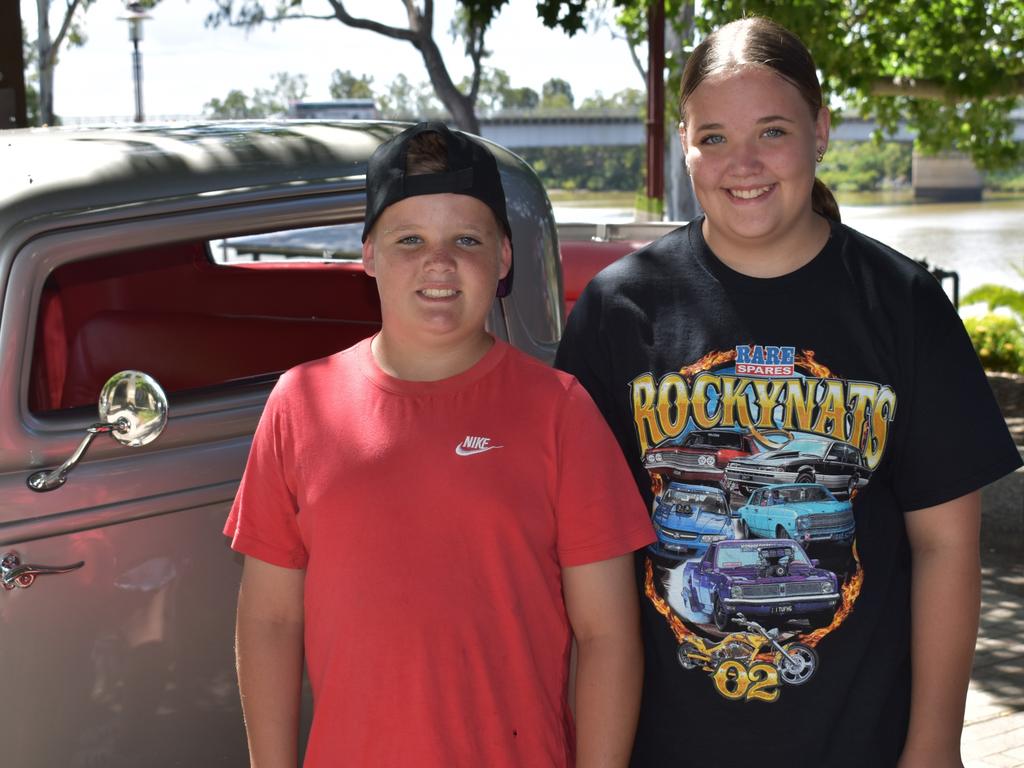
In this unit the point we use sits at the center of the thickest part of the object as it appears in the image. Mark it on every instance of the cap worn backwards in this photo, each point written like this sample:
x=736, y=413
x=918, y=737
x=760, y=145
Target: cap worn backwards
x=471, y=170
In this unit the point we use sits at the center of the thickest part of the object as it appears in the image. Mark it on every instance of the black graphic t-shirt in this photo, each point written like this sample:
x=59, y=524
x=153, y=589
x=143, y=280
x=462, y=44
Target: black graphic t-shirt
x=779, y=428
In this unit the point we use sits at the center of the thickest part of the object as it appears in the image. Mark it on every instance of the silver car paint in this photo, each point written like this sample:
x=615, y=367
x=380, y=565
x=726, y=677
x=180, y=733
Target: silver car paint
x=128, y=660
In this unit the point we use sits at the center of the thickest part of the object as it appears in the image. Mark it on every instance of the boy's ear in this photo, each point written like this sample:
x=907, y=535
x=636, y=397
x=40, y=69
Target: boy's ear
x=506, y=257
x=368, y=263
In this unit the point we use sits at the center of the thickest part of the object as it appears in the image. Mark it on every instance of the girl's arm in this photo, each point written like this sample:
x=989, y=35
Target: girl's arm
x=945, y=602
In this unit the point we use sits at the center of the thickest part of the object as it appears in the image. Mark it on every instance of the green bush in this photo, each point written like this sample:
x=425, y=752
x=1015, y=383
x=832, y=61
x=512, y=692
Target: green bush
x=996, y=296
x=999, y=342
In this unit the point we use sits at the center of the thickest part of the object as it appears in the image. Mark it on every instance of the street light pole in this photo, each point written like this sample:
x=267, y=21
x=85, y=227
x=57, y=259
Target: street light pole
x=136, y=15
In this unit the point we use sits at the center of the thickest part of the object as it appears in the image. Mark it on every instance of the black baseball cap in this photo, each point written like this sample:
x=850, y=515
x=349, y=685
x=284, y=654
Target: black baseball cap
x=472, y=170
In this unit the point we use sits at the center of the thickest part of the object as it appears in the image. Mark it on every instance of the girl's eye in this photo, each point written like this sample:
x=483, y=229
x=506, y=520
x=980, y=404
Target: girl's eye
x=774, y=133
x=713, y=139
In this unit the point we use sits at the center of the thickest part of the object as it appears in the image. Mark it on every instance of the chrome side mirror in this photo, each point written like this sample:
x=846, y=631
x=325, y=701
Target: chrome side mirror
x=132, y=409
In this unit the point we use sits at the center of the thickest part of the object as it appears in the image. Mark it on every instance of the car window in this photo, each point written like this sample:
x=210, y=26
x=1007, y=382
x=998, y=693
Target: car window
x=197, y=314
x=807, y=445
x=752, y=555
x=338, y=241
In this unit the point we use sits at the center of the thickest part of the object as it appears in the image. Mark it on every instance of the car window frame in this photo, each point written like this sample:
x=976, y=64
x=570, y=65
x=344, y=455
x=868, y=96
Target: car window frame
x=197, y=416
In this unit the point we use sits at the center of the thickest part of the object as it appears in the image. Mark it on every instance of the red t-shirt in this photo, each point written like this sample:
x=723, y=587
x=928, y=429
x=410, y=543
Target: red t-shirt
x=433, y=520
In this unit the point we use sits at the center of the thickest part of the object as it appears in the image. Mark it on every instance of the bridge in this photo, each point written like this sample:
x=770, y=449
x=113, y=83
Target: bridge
x=948, y=176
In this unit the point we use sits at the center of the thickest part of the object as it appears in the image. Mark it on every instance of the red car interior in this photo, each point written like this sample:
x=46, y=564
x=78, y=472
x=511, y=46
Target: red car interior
x=173, y=313
x=582, y=259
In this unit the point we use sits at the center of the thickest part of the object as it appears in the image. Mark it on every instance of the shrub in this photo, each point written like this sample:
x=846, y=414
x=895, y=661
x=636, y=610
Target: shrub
x=996, y=296
x=999, y=342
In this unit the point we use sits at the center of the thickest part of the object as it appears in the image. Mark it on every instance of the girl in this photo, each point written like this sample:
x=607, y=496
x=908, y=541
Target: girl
x=836, y=627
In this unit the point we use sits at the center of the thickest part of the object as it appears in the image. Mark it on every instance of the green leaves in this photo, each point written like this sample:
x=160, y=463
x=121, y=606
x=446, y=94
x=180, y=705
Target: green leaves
x=952, y=70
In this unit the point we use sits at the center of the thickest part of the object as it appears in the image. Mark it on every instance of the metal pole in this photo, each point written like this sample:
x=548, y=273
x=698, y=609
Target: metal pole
x=137, y=76
x=656, y=100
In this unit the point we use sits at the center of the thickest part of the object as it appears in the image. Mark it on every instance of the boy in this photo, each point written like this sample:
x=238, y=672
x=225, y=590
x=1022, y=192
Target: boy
x=436, y=515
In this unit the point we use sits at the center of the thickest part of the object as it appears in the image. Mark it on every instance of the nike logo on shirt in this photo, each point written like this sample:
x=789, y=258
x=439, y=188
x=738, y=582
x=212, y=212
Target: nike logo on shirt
x=473, y=445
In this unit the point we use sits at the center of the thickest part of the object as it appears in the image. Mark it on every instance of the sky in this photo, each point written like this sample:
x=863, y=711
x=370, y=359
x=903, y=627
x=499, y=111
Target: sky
x=185, y=64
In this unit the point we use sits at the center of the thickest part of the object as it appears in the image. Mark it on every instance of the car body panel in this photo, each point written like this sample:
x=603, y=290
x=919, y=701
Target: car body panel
x=732, y=575
x=687, y=518
x=702, y=456
x=128, y=660
x=807, y=512
x=804, y=458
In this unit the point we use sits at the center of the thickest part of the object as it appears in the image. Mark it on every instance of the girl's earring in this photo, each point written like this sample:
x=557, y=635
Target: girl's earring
x=821, y=154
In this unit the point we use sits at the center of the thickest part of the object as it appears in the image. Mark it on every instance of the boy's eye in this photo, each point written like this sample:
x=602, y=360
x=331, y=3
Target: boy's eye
x=713, y=138
x=468, y=240
x=410, y=240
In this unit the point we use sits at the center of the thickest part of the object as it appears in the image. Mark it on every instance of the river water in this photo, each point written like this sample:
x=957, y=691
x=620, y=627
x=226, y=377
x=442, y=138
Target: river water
x=983, y=242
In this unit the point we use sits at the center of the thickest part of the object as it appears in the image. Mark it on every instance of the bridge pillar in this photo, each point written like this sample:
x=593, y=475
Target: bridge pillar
x=946, y=177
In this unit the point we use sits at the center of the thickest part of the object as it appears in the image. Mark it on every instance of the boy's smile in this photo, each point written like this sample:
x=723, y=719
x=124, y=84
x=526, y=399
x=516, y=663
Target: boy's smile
x=437, y=260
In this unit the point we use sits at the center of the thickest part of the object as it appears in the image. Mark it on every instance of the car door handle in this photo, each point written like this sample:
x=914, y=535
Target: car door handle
x=14, y=573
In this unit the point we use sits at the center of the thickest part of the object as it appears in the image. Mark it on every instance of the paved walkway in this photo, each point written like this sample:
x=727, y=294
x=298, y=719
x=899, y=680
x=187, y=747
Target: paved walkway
x=993, y=734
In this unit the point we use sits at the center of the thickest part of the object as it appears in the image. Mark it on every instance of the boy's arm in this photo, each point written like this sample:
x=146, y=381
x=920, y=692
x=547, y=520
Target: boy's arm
x=944, y=606
x=268, y=649
x=601, y=602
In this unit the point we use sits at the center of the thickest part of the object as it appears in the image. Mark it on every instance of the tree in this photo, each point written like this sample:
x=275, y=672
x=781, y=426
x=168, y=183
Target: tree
x=521, y=98
x=264, y=102
x=235, y=106
x=277, y=100
x=496, y=94
x=556, y=94
x=471, y=21
x=31, y=76
x=950, y=69
x=47, y=46
x=345, y=85
x=626, y=100
x=405, y=101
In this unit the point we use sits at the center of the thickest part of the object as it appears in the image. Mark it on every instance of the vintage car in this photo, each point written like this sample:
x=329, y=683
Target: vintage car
x=148, y=250
x=687, y=518
x=804, y=458
x=772, y=578
x=807, y=512
x=702, y=455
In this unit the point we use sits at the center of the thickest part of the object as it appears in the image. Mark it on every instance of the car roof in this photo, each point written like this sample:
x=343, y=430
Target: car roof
x=692, y=488
x=67, y=172
x=777, y=486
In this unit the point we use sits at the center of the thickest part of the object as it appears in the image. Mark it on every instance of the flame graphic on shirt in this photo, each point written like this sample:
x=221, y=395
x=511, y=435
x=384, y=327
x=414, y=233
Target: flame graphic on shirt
x=805, y=359
x=709, y=362
x=662, y=606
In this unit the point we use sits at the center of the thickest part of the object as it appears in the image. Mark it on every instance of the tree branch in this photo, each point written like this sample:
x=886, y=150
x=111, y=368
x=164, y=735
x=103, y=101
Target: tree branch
x=342, y=15
x=51, y=54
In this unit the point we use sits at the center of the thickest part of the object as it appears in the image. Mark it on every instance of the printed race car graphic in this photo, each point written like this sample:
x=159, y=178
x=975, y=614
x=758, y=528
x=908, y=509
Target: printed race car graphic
x=807, y=512
x=702, y=456
x=792, y=446
x=687, y=518
x=805, y=458
x=762, y=577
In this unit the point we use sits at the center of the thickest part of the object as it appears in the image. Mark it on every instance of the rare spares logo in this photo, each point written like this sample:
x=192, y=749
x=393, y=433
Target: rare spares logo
x=765, y=361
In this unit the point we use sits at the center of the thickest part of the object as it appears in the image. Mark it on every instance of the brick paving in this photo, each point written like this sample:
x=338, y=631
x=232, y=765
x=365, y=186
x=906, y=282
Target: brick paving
x=993, y=735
